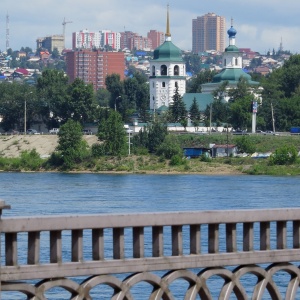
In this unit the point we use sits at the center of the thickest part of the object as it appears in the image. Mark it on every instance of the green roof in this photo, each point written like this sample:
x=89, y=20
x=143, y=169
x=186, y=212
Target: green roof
x=233, y=75
x=168, y=52
x=202, y=100
x=232, y=48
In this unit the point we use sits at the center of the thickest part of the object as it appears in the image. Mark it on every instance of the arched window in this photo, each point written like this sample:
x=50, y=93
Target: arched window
x=163, y=84
x=153, y=70
x=153, y=84
x=236, y=61
x=176, y=70
x=163, y=70
x=225, y=62
x=176, y=84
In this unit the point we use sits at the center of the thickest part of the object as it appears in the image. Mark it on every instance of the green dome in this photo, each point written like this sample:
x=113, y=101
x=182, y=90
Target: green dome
x=232, y=48
x=167, y=52
x=233, y=75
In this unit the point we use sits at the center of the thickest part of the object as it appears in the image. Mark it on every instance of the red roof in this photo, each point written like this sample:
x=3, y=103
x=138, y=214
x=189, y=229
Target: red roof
x=22, y=71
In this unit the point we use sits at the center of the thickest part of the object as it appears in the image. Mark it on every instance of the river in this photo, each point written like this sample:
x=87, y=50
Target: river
x=56, y=193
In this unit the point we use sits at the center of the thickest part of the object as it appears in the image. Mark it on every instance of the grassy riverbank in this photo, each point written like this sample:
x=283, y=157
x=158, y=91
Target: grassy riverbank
x=19, y=153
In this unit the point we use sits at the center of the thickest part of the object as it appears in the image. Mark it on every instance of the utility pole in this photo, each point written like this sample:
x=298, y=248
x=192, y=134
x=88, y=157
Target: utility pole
x=273, y=120
x=64, y=23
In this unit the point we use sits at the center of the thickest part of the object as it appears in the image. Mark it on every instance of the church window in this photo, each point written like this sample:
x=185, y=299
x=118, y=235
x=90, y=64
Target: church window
x=236, y=62
x=163, y=84
x=225, y=62
x=163, y=70
x=176, y=70
x=176, y=84
x=153, y=70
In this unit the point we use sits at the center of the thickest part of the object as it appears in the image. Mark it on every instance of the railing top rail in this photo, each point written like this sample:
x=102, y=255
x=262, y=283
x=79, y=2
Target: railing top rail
x=73, y=222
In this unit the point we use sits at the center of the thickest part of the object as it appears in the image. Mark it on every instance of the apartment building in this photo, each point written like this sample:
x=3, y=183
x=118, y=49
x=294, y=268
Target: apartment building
x=51, y=42
x=157, y=38
x=92, y=66
x=85, y=39
x=208, y=33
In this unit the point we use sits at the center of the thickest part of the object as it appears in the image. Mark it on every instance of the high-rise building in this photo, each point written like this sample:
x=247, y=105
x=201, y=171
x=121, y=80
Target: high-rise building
x=86, y=40
x=157, y=38
x=208, y=33
x=51, y=42
x=110, y=39
x=92, y=66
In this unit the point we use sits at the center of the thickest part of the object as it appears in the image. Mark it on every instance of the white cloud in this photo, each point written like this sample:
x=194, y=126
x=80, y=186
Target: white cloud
x=260, y=24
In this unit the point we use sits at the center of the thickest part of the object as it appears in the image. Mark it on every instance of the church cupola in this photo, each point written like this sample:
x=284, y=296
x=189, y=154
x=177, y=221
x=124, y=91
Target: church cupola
x=167, y=72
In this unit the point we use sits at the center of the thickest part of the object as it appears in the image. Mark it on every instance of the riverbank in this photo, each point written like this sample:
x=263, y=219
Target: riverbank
x=13, y=145
x=12, y=160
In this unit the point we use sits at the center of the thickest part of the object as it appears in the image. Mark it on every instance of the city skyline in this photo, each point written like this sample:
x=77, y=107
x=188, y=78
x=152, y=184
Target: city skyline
x=260, y=26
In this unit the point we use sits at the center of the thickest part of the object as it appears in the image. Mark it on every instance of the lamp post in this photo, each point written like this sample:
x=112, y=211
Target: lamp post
x=116, y=102
x=129, y=132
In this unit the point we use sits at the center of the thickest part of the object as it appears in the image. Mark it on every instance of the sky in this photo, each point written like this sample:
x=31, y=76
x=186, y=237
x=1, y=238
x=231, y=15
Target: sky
x=261, y=25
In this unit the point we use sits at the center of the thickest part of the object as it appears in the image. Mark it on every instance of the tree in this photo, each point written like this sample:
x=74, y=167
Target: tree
x=284, y=155
x=115, y=86
x=103, y=97
x=157, y=131
x=80, y=105
x=12, y=105
x=52, y=90
x=177, y=109
x=71, y=146
x=195, y=114
x=194, y=84
x=114, y=135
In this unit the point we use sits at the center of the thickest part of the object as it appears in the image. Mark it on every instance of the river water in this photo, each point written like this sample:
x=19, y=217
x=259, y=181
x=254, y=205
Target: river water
x=55, y=193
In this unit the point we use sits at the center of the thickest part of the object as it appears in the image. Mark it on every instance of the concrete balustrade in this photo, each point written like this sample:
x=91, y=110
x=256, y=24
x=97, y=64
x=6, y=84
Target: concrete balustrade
x=197, y=240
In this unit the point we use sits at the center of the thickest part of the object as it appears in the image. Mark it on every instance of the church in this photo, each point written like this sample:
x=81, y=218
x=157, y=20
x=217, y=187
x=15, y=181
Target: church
x=168, y=72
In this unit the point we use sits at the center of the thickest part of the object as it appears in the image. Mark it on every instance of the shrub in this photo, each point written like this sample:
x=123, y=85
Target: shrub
x=30, y=160
x=245, y=144
x=205, y=158
x=284, y=155
x=169, y=147
x=98, y=150
x=176, y=160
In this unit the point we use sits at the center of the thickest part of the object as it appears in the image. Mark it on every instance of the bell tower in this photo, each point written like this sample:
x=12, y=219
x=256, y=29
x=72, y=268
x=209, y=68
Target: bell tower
x=167, y=72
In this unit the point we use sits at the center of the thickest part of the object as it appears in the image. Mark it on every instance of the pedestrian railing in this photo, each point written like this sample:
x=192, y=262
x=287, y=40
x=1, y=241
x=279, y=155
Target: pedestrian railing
x=41, y=253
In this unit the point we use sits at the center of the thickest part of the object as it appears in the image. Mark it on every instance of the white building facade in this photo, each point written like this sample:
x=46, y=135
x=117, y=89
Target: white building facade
x=167, y=73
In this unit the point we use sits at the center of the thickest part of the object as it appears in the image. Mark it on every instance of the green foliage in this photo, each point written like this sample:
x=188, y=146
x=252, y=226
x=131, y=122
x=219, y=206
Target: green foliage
x=205, y=158
x=98, y=150
x=177, y=109
x=80, y=105
x=157, y=132
x=245, y=144
x=195, y=114
x=177, y=160
x=111, y=130
x=52, y=90
x=285, y=155
x=194, y=85
x=70, y=144
x=30, y=160
x=169, y=147
x=12, y=105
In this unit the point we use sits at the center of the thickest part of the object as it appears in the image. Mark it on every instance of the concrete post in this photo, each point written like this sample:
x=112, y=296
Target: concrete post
x=2, y=206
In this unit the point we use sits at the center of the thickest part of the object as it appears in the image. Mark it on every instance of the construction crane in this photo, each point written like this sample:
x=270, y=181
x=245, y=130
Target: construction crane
x=64, y=23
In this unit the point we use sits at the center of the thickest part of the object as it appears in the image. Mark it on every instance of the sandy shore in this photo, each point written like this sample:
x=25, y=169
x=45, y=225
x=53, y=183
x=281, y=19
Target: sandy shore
x=13, y=145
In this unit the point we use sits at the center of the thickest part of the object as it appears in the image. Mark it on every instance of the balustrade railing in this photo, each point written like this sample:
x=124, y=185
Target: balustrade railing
x=55, y=248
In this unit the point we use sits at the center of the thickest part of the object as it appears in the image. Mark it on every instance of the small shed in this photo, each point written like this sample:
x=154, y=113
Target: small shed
x=194, y=152
x=224, y=150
